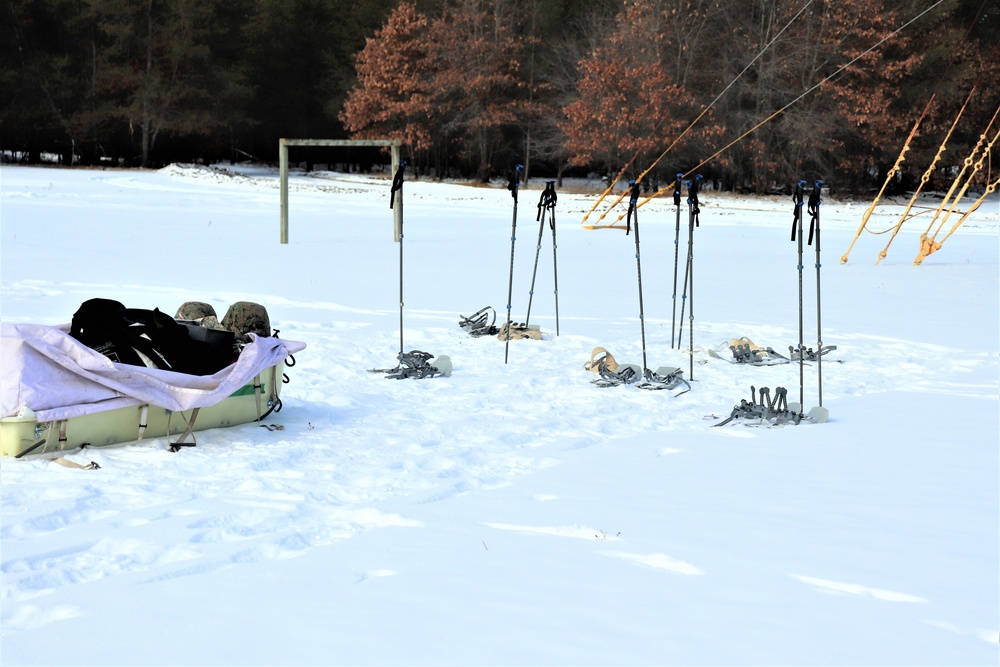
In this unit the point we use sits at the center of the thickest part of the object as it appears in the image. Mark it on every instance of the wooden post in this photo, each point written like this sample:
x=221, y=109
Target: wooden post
x=283, y=172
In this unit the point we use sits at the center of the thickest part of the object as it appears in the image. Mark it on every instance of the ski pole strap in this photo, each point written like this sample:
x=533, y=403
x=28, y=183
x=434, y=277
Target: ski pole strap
x=397, y=183
x=797, y=199
x=814, y=199
x=514, y=181
x=814, y=202
x=548, y=198
x=633, y=201
x=693, y=187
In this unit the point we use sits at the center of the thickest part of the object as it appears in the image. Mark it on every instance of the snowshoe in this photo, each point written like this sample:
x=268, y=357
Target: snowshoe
x=744, y=351
x=623, y=374
x=416, y=365
x=480, y=323
x=809, y=354
x=665, y=377
x=612, y=374
x=769, y=411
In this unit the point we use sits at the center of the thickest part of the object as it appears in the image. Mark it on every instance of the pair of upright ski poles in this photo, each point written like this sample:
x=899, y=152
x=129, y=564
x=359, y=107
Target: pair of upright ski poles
x=687, y=292
x=546, y=203
x=813, y=209
x=693, y=221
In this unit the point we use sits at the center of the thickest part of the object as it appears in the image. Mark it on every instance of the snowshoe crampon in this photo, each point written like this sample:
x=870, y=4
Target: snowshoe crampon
x=416, y=365
x=480, y=323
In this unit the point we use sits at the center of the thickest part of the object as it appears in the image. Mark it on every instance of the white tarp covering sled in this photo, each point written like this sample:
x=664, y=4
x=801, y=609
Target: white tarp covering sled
x=55, y=377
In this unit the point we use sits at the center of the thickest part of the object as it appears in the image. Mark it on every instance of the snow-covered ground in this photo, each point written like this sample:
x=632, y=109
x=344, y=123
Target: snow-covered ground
x=513, y=513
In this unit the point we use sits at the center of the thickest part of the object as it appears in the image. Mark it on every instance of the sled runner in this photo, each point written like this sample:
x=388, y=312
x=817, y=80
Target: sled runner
x=60, y=394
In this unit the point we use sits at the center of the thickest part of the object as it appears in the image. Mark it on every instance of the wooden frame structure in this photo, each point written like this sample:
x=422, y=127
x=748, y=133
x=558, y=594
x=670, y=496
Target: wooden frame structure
x=283, y=144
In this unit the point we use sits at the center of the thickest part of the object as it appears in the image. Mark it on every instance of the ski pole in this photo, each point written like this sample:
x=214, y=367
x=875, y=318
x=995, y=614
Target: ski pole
x=814, y=203
x=552, y=225
x=543, y=204
x=397, y=186
x=687, y=268
x=513, y=182
x=692, y=223
x=677, y=234
x=633, y=212
x=534, y=271
x=797, y=235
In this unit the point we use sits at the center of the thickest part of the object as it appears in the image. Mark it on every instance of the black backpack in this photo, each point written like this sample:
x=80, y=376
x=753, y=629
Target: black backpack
x=150, y=338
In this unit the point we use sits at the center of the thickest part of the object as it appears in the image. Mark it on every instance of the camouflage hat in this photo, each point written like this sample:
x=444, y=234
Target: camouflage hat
x=195, y=310
x=247, y=317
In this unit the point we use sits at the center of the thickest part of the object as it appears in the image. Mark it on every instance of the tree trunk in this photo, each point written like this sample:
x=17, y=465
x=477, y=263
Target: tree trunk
x=147, y=123
x=527, y=153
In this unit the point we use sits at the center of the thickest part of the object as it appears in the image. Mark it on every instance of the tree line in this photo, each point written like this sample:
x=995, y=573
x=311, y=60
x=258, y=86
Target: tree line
x=750, y=93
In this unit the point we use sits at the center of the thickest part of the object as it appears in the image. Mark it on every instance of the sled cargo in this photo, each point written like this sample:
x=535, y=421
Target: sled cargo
x=59, y=395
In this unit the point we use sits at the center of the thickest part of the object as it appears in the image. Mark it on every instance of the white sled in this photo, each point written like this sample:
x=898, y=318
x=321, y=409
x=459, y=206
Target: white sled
x=57, y=395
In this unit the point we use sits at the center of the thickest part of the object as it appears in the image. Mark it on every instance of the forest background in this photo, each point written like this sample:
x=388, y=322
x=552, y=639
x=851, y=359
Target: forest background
x=565, y=87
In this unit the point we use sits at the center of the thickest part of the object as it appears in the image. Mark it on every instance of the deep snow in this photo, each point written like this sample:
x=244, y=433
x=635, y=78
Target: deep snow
x=512, y=513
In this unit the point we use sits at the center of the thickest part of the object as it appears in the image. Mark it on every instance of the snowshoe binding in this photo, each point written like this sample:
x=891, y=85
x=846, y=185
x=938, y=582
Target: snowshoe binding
x=665, y=377
x=809, y=354
x=609, y=372
x=480, y=323
x=744, y=351
x=519, y=332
